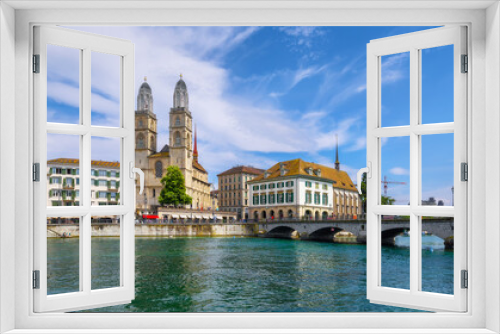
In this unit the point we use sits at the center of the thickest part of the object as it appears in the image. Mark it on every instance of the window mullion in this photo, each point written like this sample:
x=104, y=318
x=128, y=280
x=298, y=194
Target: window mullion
x=415, y=170
x=85, y=167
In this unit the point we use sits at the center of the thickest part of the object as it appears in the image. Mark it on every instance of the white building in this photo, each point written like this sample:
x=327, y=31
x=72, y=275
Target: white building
x=300, y=189
x=63, y=182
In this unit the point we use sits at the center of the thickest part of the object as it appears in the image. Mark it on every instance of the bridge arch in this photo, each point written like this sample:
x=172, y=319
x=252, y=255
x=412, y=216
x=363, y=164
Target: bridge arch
x=388, y=237
x=282, y=232
x=325, y=233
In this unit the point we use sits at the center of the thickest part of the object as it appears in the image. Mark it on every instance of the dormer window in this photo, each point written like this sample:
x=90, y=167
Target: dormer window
x=309, y=171
x=266, y=174
x=317, y=172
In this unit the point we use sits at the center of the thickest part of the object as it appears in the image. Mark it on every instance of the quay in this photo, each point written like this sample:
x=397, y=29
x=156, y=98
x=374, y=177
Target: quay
x=341, y=231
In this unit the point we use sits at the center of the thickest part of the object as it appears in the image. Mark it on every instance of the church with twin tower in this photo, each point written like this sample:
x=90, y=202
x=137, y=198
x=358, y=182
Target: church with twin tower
x=179, y=151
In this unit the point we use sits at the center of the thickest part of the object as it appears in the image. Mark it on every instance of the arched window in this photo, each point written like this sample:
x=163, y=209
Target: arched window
x=177, y=137
x=158, y=169
x=177, y=121
x=140, y=141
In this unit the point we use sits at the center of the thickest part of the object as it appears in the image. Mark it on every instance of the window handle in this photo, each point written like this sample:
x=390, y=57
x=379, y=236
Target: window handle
x=368, y=172
x=134, y=170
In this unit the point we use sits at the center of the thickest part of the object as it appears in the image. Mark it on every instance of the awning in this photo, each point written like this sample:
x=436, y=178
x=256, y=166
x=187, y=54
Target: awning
x=150, y=216
x=183, y=216
x=206, y=216
x=175, y=216
x=197, y=216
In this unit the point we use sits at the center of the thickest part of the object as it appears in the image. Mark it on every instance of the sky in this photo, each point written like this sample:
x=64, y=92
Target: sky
x=260, y=95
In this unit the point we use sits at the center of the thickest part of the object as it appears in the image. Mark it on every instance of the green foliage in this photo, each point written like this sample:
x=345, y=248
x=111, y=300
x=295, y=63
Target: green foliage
x=174, y=188
x=385, y=200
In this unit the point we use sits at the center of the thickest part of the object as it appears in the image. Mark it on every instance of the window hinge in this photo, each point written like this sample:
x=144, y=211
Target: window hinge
x=465, y=64
x=464, y=170
x=36, y=63
x=465, y=279
x=36, y=279
x=36, y=172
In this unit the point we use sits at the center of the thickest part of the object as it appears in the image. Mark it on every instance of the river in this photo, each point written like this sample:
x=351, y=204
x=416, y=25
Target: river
x=247, y=274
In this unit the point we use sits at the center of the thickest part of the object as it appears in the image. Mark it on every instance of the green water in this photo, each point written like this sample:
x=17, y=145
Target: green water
x=245, y=274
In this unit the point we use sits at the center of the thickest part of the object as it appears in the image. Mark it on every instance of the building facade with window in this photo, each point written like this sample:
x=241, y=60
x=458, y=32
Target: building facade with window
x=63, y=182
x=180, y=150
x=233, y=193
x=297, y=189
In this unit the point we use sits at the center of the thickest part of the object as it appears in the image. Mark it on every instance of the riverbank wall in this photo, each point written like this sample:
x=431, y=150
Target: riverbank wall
x=157, y=230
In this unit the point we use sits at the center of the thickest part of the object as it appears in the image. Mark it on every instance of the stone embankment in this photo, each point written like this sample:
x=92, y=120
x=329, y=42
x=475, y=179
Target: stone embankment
x=158, y=230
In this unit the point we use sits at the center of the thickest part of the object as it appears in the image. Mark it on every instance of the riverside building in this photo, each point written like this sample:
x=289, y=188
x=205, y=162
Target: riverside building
x=233, y=193
x=179, y=151
x=297, y=189
x=63, y=182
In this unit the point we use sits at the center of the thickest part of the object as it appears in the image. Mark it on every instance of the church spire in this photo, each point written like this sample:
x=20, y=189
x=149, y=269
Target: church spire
x=337, y=162
x=195, y=151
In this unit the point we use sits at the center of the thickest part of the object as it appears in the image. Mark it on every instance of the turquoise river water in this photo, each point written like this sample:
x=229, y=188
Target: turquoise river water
x=247, y=274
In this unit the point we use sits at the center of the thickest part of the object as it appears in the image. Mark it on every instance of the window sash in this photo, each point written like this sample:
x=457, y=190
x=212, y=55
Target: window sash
x=86, y=298
x=414, y=298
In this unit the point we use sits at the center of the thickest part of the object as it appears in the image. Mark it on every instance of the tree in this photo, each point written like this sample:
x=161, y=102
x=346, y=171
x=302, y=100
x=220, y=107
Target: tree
x=385, y=200
x=174, y=188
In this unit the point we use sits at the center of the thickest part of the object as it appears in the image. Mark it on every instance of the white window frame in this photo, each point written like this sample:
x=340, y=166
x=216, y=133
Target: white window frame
x=484, y=23
x=413, y=43
x=86, y=44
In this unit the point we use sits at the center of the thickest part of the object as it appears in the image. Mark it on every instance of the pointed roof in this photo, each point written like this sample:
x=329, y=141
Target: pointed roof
x=195, y=151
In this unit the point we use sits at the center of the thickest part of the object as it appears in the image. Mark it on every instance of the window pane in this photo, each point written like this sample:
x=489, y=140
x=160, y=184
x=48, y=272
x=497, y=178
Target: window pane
x=105, y=249
x=437, y=254
x=437, y=84
x=437, y=169
x=63, y=255
x=395, y=250
x=63, y=167
x=105, y=174
x=395, y=171
x=395, y=89
x=63, y=84
x=105, y=89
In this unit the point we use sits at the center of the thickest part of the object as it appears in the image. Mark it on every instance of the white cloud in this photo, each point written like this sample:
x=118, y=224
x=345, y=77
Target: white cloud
x=399, y=171
x=231, y=129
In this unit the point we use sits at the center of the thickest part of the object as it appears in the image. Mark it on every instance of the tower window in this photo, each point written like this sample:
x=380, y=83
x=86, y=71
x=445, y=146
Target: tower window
x=177, y=121
x=140, y=141
x=158, y=169
x=177, y=137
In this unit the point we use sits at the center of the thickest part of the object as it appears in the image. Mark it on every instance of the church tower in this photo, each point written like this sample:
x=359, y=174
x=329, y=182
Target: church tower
x=145, y=126
x=181, y=134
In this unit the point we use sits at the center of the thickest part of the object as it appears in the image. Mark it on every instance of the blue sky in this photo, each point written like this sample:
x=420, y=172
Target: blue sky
x=260, y=95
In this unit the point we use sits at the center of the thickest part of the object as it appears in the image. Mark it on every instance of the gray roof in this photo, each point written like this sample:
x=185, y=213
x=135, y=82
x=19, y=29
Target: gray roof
x=180, y=85
x=165, y=148
x=145, y=85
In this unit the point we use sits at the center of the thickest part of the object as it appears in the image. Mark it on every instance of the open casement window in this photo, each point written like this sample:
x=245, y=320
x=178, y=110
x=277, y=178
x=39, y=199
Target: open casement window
x=421, y=129
x=70, y=135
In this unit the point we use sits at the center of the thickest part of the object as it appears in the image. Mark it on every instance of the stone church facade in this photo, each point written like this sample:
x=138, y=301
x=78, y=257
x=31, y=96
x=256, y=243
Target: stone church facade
x=179, y=151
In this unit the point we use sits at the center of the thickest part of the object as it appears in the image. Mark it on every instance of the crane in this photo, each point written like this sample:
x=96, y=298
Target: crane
x=385, y=183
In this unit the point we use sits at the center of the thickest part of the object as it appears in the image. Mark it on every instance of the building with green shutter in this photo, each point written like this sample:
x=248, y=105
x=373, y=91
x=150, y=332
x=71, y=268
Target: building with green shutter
x=63, y=182
x=297, y=189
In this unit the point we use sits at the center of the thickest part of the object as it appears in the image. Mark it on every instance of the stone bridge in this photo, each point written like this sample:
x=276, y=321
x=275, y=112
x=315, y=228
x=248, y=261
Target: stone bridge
x=328, y=230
